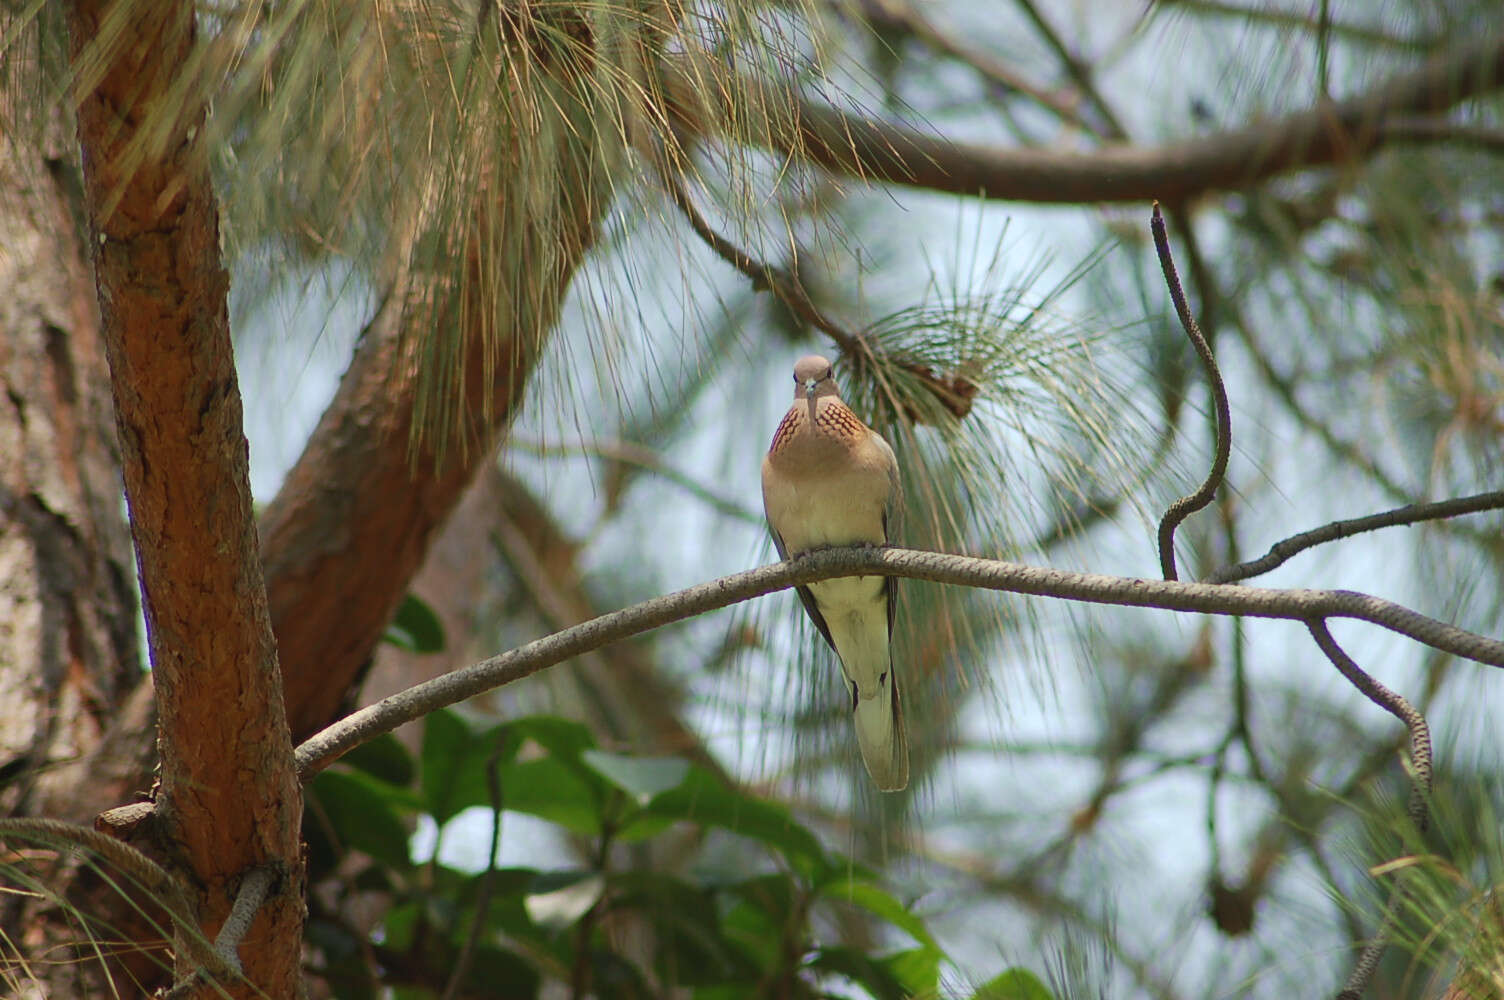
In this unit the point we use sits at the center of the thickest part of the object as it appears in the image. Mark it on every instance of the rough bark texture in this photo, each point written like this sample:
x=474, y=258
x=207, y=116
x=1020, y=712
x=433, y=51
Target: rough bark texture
x=68, y=644
x=228, y=799
x=75, y=718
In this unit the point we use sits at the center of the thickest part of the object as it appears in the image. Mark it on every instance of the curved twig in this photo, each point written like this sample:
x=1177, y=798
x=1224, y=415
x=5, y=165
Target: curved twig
x=764, y=276
x=1281, y=552
x=1420, y=788
x=1188, y=505
x=988, y=574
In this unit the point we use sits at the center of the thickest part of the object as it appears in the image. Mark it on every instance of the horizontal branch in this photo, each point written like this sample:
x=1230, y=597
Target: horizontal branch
x=988, y=574
x=1283, y=551
x=854, y=145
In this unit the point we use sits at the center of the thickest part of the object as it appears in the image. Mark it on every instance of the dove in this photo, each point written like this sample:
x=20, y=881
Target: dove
x=828, y=479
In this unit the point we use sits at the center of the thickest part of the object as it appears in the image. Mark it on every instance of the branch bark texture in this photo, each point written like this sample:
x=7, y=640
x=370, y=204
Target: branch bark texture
x=228, y=799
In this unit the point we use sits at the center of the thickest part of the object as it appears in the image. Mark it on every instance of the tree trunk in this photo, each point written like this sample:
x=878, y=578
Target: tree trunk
x=229, y=800
x=75, y=701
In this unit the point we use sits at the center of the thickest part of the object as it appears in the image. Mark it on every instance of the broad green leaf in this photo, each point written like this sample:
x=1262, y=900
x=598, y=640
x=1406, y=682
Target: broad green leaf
x=562, y=737
x=400, y=925
x=755, y=932
x=735, y=991
x=383, y=757
x=498, y=972
x=615, y=977
x=702, y=798
x=690, y=949
x=879, y=903
x=1015, y=984
x=918, y=969
x=415, y=628
x=558, y=907
x=550, y=789
x=362, y=814
x=863, y=970
x=640, y=777
x=455, y=762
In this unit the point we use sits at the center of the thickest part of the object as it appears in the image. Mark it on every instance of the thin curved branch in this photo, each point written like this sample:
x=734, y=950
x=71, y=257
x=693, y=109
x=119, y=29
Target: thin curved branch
x=908, y=18
x=1420, y=788
x=1396, y=705
x=1188, y=505
x=1078, y=69
x=1283, y=551
x=764, y=277
x=853, y=145
x=938, y=567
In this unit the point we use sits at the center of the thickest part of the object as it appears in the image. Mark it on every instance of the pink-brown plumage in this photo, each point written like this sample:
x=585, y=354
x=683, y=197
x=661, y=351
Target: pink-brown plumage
x=829, y=479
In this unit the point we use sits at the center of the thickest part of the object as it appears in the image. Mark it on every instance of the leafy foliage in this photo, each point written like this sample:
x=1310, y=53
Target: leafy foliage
x=758, y=926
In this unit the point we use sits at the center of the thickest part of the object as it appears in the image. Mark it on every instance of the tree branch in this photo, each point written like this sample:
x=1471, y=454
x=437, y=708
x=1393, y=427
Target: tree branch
x=853, y=145
x=764, y=277
x=1188, y=505
x=905, y=16
x=1420, y=788
x=1224, y=599
x=1283, y=551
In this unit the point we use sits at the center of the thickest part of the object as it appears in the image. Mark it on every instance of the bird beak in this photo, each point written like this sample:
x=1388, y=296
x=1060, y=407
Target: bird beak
x=809, y=385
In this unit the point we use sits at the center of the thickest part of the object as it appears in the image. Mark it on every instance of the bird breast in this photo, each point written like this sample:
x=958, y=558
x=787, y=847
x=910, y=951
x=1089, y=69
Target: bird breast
x=836, y=500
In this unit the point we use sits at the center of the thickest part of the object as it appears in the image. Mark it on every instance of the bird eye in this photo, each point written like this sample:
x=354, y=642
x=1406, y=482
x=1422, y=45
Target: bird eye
x=827, y=374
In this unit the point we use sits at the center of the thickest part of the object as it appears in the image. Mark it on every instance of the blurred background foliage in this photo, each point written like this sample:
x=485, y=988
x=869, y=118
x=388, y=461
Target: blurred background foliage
x=1127, y=803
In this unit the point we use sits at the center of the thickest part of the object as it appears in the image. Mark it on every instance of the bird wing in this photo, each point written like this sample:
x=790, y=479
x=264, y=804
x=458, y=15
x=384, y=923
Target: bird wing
x=808, y=599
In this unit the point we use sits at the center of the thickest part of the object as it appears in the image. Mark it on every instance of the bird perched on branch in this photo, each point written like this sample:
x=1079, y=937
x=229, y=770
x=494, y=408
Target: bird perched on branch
x=829, y=479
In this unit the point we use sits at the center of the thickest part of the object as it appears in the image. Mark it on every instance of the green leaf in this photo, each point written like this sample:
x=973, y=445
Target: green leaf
x=451, y=781
x=702, y=798
x=690, y=948
x=732, y=991
x=879, y=903
x=383, y=757
x=563, y=898
x=861, y=969
x=415, y=627
x=918, y=969
x=492, y=967
x=455, y=762
x=1016, y=984
x=561, y=737
x=550, y=789
x=361, y=814
x=400, y=925
x=640, y=777
x=754, y=932
x=617, y=978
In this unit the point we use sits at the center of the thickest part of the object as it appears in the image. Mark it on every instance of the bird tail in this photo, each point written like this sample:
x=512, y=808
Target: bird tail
x=880, y=735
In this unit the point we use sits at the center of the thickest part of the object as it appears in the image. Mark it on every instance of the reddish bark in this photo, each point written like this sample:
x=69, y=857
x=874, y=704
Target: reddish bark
x=228, y=799
x=351, y=525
